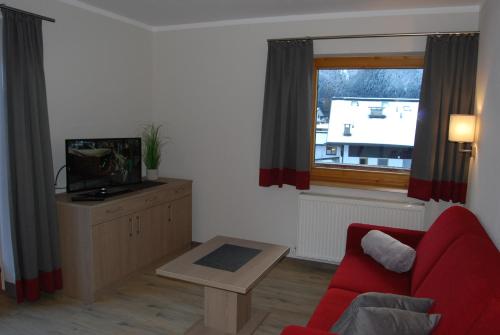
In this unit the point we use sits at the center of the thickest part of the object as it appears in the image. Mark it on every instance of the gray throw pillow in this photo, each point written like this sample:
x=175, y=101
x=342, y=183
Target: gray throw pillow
x=375, y=299
x=388, y=251
x=389, y=321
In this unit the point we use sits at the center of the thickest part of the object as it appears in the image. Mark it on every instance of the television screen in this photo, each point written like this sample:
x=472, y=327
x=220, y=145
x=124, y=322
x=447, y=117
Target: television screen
x=98, y=163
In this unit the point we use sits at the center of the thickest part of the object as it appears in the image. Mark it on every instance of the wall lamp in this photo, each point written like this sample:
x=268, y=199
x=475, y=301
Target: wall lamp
x=462, y=130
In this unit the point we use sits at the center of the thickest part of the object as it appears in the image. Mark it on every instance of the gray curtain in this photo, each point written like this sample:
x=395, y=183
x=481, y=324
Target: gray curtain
x=286, y=120
x=439, y=171
x=34, y=228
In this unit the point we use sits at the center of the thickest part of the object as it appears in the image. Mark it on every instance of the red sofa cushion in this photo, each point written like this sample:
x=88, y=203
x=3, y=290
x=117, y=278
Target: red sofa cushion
x=360, y=273
x=449, y=226
x=462, y=283
x=330, y=308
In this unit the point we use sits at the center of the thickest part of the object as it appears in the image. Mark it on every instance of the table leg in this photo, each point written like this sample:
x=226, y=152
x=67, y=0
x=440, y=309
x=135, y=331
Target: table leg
x=227, y=313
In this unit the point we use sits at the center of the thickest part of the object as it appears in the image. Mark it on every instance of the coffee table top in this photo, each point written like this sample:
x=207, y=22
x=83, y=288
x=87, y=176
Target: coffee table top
x=240, y=281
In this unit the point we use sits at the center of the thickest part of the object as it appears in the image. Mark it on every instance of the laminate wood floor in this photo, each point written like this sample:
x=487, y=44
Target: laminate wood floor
x=147, y=304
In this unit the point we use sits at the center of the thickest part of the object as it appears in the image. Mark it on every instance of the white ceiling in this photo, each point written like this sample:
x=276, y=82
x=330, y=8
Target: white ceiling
x=175, y=12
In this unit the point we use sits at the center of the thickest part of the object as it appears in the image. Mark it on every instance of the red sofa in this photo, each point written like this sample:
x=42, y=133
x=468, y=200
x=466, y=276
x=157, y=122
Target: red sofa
x=457, y=265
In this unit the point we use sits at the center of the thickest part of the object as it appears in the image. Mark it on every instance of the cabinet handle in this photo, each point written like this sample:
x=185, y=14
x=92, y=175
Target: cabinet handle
x=114, y=210
x=152, y=199
x=138, y=230
x=131, y=227
x=169, y=213
x=179, y=190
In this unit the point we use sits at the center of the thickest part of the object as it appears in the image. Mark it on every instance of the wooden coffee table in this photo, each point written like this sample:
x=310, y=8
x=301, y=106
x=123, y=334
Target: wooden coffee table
x=228, y=295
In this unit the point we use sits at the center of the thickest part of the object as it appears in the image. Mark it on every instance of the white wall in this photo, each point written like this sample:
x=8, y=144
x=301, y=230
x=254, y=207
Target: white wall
x=484, y=194
x=208, y=86
x=98, y=73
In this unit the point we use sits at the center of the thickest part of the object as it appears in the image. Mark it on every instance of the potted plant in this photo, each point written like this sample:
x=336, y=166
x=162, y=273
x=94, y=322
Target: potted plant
x=152, y=144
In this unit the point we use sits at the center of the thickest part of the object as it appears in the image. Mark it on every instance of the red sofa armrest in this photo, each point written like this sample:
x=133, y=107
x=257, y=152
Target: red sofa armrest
x=357, y=231
x=298, y=330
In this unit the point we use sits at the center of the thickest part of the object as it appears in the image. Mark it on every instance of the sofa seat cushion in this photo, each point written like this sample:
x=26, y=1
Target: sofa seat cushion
x=360, y=273
x=330, y=308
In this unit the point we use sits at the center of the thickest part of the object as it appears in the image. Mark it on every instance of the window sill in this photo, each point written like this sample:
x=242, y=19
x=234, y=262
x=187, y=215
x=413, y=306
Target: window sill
x=356, y=178
x=360, y=186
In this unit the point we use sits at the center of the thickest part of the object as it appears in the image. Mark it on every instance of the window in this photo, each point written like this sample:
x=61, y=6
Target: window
x=364, y=119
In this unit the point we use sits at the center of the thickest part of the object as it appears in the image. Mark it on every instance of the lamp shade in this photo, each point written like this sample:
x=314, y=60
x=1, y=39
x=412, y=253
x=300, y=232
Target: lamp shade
x=462, y=128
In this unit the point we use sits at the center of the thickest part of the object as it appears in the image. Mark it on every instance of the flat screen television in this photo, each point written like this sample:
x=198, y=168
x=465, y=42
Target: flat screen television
x=102, y=163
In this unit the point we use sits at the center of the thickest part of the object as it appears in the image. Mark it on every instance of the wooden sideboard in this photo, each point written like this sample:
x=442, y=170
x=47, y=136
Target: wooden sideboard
x=103, y=242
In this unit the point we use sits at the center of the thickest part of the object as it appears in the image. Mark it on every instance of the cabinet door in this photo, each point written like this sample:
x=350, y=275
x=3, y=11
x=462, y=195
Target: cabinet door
x=161, y=225
x=145, y=232
x=181, y=220
x=130, y=258
x=111, y=249
x=154, y=233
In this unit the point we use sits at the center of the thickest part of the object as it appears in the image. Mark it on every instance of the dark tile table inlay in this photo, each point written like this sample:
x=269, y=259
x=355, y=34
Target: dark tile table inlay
x=228, y=257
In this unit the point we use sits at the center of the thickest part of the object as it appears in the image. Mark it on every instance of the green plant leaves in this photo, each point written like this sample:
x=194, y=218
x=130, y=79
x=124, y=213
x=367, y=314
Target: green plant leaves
x=152, y=144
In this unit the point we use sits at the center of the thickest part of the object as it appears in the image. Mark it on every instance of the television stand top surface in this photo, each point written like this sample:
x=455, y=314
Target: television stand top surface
x=108, y=192
x=146, y=186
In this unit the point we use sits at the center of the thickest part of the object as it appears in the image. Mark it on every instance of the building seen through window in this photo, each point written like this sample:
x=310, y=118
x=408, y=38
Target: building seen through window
x=366, y=117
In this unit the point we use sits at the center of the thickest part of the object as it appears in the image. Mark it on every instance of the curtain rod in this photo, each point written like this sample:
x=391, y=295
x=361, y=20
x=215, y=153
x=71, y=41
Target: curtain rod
x=12, y=9
x=341, y=37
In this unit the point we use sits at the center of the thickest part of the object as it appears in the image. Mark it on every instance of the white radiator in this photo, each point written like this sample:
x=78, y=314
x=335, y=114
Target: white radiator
x=323, y=222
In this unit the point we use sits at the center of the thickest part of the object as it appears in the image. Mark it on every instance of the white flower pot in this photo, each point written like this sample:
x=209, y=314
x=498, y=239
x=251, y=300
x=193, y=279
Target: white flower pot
x=152, y=174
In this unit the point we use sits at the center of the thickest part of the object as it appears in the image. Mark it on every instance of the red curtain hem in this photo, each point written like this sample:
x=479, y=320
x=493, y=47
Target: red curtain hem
x=29, y=289
x=270, y=177
x=437, y=190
